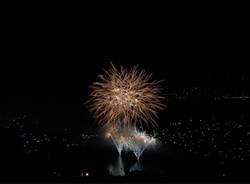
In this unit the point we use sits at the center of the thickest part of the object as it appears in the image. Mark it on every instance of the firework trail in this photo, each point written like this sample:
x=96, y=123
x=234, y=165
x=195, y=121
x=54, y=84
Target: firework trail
x=126, y=97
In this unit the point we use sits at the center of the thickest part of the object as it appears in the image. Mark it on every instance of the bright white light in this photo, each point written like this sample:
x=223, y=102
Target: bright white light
x=130, y=139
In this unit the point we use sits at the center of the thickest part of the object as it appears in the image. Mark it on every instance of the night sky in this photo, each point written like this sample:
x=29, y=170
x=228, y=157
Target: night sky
x=48, y=63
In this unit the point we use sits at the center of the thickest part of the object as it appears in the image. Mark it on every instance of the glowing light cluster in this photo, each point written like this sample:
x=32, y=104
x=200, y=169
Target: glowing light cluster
x=126, y=97
x=130, y=139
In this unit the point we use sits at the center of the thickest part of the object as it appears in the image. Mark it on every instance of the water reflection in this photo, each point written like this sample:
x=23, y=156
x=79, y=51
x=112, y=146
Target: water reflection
x=136, y=167
x=117, y=169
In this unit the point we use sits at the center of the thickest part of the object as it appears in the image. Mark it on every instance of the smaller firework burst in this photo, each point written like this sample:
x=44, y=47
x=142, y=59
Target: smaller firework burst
x=130, y=139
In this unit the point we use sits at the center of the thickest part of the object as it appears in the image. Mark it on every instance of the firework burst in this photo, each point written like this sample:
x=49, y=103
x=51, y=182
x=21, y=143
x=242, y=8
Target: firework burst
x=126, y=97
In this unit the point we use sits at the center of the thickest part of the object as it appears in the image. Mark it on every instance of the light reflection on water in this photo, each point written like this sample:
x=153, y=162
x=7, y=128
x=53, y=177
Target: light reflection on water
x=136, y=167
x=117, y=168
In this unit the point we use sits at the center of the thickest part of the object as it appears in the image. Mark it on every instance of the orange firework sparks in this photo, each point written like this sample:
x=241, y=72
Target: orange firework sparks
x=126, y=97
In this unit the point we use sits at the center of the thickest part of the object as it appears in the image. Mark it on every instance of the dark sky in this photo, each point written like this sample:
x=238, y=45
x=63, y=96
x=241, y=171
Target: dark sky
x=52, y=61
